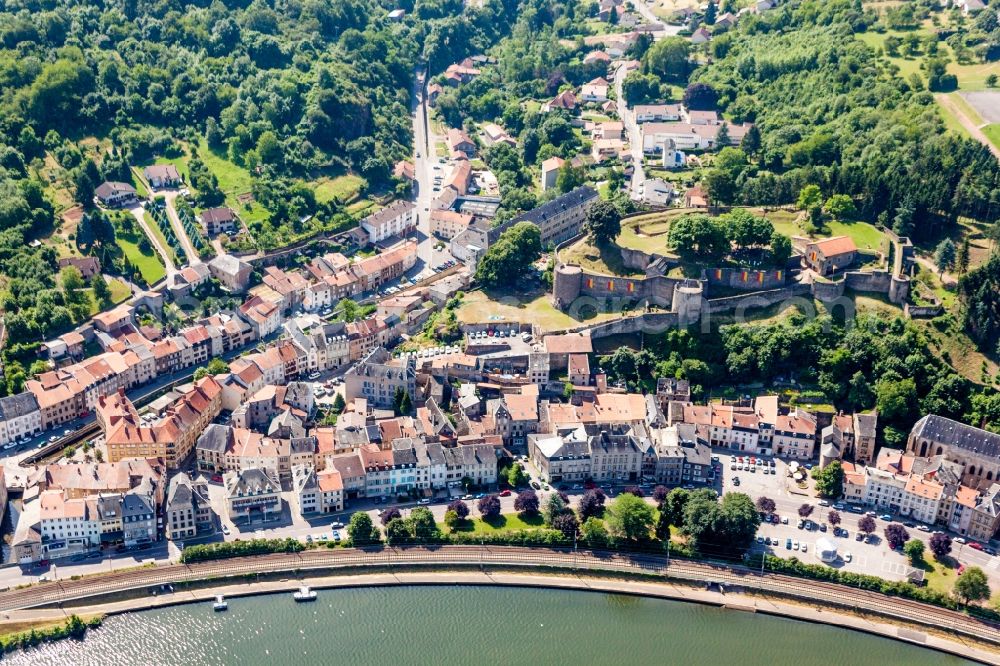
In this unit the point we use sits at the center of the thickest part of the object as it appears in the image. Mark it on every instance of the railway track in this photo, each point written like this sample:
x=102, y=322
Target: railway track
x=907, y=610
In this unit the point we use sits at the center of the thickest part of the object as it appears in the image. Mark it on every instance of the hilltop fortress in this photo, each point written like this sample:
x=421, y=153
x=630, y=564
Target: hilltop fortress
x=661, y=300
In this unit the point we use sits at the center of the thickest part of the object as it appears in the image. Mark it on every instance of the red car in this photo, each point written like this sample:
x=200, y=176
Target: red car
x=589, y=485
x=505, y=493
x=977, y=546
x=217, y=478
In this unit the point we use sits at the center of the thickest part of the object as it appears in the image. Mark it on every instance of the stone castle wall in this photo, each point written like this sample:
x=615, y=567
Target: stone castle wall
x=750, y=279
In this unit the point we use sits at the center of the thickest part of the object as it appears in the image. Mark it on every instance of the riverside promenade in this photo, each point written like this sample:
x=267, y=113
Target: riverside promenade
x=738, y=588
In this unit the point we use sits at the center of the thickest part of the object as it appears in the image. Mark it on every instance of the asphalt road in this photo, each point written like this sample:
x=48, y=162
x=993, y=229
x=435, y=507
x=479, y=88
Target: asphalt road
x=425, y=167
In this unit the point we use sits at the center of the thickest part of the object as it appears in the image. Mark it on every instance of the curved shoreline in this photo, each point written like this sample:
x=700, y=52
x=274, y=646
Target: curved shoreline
x=545, y=580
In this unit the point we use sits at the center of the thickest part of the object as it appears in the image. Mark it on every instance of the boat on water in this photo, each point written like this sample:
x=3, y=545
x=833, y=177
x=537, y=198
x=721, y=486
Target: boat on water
x=220, y=603
x=304, y=593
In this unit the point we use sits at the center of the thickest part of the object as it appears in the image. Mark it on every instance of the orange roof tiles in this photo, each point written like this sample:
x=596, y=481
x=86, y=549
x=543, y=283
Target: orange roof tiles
x=837, y=245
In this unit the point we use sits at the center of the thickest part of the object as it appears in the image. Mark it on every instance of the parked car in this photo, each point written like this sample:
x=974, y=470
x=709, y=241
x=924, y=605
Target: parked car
x=824, y=503
x=505, y=492
x=977, y=546
x=788, y=544
x=848, y=557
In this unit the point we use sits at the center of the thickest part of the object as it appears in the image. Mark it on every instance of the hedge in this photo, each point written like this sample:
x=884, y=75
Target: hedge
x=226, y=549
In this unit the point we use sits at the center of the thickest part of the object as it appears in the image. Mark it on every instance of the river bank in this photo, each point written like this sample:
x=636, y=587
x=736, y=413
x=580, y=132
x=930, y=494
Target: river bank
x=660, y=590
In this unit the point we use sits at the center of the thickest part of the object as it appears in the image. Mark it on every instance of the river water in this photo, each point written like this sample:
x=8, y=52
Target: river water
x=469, y=625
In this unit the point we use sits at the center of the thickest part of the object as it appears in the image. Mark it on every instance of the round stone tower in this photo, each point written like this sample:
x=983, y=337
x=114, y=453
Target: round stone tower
x=687, y=301
x=899, y=289
x=567, y=281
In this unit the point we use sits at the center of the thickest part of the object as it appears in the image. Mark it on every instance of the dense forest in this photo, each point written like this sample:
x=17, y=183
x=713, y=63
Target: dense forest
x=832, y=113
x=292, y=86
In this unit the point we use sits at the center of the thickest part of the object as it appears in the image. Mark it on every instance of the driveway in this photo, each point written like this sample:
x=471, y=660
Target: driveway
x=425, y=168
x=138, y=212
x=175, y=221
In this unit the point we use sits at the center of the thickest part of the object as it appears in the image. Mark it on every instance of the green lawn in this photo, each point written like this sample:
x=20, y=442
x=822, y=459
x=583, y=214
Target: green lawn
x=140, y=187
x=939, y=576
x=971, y=76
x=362, y=208
x=606, y=259
x=992, y=133
x=477, y=306
x=344, y=188
x=951, y=122
x=505, y=523
x=119, y=290
x=865, y=235
x=233, y=179
x=150, y=266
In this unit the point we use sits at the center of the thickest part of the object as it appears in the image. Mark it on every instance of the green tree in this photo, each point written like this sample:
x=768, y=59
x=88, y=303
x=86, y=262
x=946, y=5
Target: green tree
x=896, y=399
x=422, y=525
x=629, y=517
x=840, y=207
x=781, y=248
x=555, y=506
x=362, y=530
x=710, y=13
x=971, y=586
x=944, y=255
x=668, y=59
x=726, y=527
x=569, y=178
x=603, y=223
x=72, y=283
x=639, y=88
x=516, y=476
x=673, y=506
x=505, y=261
x=991, y=80
x=338, y=404
x=809, y=197
x=962, y=257
x=698, y=236
x=348, y=309
x=594, y=534
x=829, y=479
x=102, y=292
x=914, y=550
x=397, y=532
x=451, y=520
